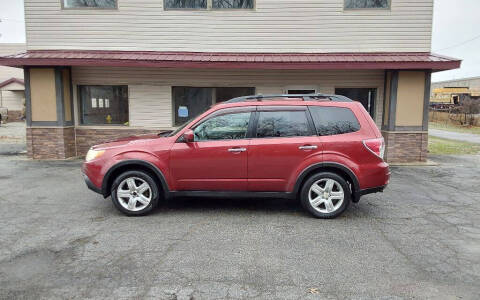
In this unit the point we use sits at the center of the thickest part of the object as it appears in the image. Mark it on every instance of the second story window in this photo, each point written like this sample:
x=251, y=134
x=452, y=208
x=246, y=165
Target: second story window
x=232, y=3
x=111, y=4
x=209, y=4
x=189, y=4
x=366, y=4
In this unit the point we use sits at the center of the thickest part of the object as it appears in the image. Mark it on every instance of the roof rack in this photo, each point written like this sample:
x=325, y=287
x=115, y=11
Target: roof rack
x=305, y=97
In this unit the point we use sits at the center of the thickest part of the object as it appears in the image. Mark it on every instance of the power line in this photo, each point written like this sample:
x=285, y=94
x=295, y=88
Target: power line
x=460, y=44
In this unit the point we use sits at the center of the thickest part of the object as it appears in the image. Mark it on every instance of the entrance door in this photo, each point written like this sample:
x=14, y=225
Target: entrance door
x=365, y=96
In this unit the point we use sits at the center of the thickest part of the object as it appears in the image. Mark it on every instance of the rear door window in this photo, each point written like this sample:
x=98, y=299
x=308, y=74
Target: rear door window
x=334, y=120
x=283, y=124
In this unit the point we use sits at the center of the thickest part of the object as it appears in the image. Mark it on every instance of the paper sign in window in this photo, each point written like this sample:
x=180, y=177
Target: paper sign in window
x=183, y=111
x=100, y=103
x=94, y=102
x=107, y=103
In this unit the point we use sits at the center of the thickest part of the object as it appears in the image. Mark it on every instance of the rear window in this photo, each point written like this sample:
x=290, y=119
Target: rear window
x=334, y=120
x=282, y=124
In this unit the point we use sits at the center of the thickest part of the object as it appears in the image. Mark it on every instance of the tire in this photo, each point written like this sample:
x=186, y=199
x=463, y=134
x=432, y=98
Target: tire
x=131, y=190
x=321, y=195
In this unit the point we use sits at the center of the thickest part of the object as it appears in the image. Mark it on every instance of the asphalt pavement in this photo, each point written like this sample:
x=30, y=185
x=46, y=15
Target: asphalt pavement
x=419, y=239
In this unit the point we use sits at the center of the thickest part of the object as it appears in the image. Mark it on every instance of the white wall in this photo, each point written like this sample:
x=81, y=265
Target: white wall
x=12, y=100
x=273, y=26
x=150, y=97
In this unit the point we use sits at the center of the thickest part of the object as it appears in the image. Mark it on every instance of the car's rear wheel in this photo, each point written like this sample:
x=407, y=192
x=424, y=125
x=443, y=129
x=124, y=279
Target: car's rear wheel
x=325, y=195
x=135, y=193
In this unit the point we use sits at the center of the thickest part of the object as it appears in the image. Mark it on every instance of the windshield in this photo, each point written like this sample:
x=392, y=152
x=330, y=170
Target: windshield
x=179, y=128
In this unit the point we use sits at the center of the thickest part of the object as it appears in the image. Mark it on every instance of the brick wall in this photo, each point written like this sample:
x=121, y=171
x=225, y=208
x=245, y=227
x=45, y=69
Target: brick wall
x=14, y=115
x=61, y=143
x=50, y=142
x=87, y=137
x=404, y=147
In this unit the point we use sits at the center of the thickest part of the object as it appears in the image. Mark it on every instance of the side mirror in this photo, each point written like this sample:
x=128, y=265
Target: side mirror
x=188, y=136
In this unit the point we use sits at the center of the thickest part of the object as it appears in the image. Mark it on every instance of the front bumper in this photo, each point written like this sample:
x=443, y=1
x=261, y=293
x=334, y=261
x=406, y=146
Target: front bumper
x=90, y=185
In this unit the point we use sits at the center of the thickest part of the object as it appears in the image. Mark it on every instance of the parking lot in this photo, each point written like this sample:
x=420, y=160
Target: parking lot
x=418, y=239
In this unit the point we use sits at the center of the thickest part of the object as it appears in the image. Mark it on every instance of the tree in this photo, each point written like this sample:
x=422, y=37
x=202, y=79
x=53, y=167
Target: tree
x=469, y=107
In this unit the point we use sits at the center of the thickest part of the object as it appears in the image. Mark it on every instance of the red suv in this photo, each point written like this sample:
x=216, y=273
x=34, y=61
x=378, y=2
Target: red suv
x=322, y=149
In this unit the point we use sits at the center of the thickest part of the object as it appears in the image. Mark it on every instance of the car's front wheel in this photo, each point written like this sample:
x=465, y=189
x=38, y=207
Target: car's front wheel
x=325, y=195
x=135, y=193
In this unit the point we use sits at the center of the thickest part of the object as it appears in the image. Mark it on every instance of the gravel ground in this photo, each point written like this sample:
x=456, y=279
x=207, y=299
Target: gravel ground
x=419, y=239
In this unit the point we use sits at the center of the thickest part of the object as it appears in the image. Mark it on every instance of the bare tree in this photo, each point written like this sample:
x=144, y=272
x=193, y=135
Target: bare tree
x=469, y=107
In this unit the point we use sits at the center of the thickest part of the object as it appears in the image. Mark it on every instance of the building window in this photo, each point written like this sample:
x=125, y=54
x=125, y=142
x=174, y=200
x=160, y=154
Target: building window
x=367, y=4
x=208, y=4
x=111, y=4
x=103, y=104
x=189, y=4
x=282, y=124
x=232, y=4
x=190, y=102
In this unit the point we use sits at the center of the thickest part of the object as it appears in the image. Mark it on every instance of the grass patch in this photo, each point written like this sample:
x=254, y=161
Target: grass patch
x=444, y=146
x=454, y=128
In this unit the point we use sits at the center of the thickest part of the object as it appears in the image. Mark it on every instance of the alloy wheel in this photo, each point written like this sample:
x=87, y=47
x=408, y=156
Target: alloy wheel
x=134, y=194
x=326, y=195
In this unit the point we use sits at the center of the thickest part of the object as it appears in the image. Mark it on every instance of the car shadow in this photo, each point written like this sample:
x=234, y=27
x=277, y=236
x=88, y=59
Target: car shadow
x=201, y=204
x=259, y=206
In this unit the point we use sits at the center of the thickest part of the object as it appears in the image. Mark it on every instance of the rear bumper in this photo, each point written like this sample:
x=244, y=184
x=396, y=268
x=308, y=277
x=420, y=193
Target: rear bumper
x=90, y=185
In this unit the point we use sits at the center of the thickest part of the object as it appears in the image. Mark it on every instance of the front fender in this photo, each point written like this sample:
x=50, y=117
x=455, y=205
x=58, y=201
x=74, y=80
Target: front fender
x=156, y=163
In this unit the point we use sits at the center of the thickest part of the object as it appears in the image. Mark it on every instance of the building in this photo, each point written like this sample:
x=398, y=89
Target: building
x=97, y=70
x=449, y=93
x=12, y=88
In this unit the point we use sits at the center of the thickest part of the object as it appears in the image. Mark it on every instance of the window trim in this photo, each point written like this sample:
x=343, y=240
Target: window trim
x=345, y=8
x=79, y=121
x=209, y=7
x=313, y=130
x=62, y=3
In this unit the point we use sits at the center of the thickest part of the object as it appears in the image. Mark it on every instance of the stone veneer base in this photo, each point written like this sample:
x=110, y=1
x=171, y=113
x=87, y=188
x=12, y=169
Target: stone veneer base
x=50, y=142
x=66, y=142
x=405, y=147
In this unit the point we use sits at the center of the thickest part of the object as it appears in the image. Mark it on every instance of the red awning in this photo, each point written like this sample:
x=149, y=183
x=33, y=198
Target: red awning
x=218, y=60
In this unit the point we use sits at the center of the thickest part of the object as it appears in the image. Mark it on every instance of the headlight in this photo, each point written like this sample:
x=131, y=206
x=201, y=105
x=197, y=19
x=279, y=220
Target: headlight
x=93, y=154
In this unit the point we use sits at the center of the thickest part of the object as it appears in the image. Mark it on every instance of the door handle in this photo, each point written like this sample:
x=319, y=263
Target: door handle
x=237, y=149
x=308, y=147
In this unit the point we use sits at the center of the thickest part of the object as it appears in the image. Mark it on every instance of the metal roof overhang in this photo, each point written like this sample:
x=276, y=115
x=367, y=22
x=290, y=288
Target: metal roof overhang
x=219, y=60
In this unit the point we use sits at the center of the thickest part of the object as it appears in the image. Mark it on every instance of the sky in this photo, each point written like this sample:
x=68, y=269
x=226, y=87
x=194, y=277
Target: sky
x=455, y=32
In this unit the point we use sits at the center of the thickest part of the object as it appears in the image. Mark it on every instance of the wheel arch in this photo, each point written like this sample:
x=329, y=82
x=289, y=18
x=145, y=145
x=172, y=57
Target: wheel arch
x=128, y=165
x=333, y=167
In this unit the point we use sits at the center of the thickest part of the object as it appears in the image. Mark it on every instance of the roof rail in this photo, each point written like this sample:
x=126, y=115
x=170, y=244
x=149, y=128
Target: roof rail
x=305, y=97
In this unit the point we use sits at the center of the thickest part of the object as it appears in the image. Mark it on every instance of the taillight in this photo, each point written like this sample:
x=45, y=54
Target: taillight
x=376, y=146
